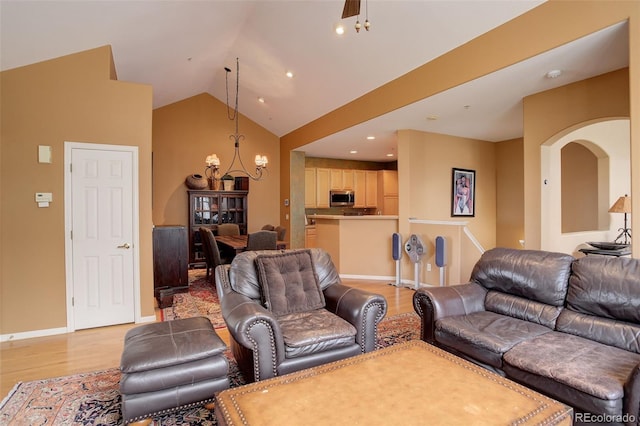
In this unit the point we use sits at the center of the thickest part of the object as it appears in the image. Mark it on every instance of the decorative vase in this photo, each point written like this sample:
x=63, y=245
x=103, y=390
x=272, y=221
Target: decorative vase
x=196, y=181
x=228, y=185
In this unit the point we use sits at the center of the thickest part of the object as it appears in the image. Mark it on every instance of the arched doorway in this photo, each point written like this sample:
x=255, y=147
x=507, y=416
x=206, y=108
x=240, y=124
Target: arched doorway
x=608, y=142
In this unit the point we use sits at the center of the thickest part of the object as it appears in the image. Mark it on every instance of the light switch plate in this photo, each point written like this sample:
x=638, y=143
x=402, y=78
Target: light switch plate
x=43, y=197
x=44, y=154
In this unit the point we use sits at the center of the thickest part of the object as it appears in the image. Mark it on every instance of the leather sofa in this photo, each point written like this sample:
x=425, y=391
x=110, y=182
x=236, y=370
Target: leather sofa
x=566, y=327
x=287, y=310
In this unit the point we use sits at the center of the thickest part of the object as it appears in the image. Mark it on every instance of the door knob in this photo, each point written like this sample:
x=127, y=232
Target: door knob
x=125, y=246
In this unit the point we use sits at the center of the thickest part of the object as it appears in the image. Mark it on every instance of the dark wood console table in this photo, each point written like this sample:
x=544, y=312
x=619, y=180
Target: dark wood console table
x=170, y=263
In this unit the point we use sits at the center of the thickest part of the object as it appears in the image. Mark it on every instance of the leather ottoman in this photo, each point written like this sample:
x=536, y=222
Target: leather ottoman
x=170, y=365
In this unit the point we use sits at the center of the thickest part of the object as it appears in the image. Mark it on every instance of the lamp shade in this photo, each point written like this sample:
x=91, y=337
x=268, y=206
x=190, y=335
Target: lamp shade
x=622, y=205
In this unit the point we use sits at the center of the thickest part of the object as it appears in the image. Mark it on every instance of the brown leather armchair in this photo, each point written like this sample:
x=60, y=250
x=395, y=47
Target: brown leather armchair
x=273, y=333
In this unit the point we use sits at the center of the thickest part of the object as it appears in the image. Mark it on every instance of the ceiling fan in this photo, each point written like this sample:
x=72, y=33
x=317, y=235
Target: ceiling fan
x=352, y=8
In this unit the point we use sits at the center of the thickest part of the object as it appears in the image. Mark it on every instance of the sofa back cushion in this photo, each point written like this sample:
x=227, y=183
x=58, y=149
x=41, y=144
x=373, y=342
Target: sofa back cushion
x=603, y=301
x=289, y=283
x=537, y=275
x=521, y=308
x=243, y=275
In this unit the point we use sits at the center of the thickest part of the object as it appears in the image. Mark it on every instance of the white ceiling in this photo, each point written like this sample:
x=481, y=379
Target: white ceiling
x=181, y=49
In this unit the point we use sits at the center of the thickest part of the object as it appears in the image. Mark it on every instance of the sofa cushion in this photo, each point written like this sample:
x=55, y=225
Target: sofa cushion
x=604, y=330
x=537, y=275
x=485, y=335
x=583, y=364
x=243, y=276
x=314, y=331
x=288, y=282
x=524, y=309
x=606, y=287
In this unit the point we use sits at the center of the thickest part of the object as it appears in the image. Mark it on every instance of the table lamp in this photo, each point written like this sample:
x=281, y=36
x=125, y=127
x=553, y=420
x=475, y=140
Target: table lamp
x=623, y=205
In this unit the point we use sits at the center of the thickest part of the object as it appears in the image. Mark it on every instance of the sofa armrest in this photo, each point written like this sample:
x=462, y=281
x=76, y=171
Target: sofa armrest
x=435, y=303
x=252, y=326
x=363, y=309
x=631, y=403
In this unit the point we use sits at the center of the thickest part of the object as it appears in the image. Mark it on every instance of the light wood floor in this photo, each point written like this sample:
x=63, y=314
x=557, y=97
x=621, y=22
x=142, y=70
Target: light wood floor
x=100, y=348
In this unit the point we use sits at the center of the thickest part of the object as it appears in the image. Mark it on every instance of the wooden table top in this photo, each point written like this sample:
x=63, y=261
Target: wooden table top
x=408, y=383
x=239, y=242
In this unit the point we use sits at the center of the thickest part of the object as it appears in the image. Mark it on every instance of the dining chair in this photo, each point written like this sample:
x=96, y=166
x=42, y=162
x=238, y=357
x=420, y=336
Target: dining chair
x=228, y=229
x=211, y=251
x=268, y=227
x=281, y=231
x=262, y=240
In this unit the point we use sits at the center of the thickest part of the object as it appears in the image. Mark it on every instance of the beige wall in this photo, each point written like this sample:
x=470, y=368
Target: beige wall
x=428, y=158
x=184, y=133
x=579, y=188
x=550, y=25
x=559, y=111
x=509, y=193
x=72, y=98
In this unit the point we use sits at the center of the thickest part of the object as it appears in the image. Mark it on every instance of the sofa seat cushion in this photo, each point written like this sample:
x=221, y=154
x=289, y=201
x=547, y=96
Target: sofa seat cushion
x=315, y=331
x=590, y=367
x=485, y=335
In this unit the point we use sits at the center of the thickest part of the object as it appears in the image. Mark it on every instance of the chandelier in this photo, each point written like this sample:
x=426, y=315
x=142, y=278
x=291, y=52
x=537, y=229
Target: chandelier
x=213, y=162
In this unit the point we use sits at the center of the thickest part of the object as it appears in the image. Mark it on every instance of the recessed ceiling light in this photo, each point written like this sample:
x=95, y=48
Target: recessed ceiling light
x=553, y=74
x=371, y=138
x=432, y=117
x=261, y=99
x=289, y=74
x=389, y=155
x=339, y=29
x=353, y=151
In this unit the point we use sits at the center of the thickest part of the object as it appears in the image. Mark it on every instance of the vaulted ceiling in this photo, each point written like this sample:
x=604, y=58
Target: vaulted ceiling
x=182, y=47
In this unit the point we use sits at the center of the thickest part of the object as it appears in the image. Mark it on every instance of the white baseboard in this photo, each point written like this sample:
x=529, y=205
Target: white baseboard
x=151, y=318
x=33, y=333
x=54, y=331
x=367, y=277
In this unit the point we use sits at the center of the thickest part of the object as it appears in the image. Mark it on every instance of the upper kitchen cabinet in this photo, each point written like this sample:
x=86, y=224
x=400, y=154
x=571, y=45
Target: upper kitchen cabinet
x=310, y=188
x=341, y=180
x=371, y=198
x=322, y=187
x=388, y=192
x=366, y=188
x=336, y=179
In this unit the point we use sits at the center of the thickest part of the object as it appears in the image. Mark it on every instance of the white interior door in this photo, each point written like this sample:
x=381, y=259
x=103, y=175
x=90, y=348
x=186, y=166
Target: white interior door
x=102, y=236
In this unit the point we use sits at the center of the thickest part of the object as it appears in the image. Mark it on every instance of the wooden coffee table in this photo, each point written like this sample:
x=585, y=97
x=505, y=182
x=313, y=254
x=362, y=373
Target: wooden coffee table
x=409, y=383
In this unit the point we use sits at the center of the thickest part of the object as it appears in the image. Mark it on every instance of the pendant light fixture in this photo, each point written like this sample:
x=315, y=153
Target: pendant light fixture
x=213, y=162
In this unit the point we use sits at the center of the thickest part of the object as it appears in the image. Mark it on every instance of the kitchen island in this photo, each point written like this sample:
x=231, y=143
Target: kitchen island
x=360, y=246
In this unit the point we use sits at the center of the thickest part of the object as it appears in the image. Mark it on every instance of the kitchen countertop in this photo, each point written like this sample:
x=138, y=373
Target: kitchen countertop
x=344, y=217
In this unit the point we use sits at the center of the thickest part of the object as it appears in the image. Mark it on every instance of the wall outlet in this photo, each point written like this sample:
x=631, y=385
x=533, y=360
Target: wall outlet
x=428, y=267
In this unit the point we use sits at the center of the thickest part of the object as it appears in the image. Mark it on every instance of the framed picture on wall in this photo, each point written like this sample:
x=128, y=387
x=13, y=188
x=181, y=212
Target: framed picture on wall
x=463, y=193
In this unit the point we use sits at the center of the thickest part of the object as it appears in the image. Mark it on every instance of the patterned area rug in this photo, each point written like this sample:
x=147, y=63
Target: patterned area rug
x=200, y=301
x=94, y=399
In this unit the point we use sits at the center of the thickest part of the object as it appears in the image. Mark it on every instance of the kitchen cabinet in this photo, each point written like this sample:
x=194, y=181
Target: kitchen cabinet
x=347, y=180
x=371, y=188
x=388, y=192
x=310, y=237
x=310, y=188
x=322, y=187
x=336, y=179
x=360, y=188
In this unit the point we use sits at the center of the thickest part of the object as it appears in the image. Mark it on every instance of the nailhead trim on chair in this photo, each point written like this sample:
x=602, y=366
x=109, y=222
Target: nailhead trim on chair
x=375, y=324
x=256, y=364
x=167, y=411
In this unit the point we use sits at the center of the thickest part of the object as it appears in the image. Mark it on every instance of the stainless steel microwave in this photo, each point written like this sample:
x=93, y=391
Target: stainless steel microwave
x=342, y=198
